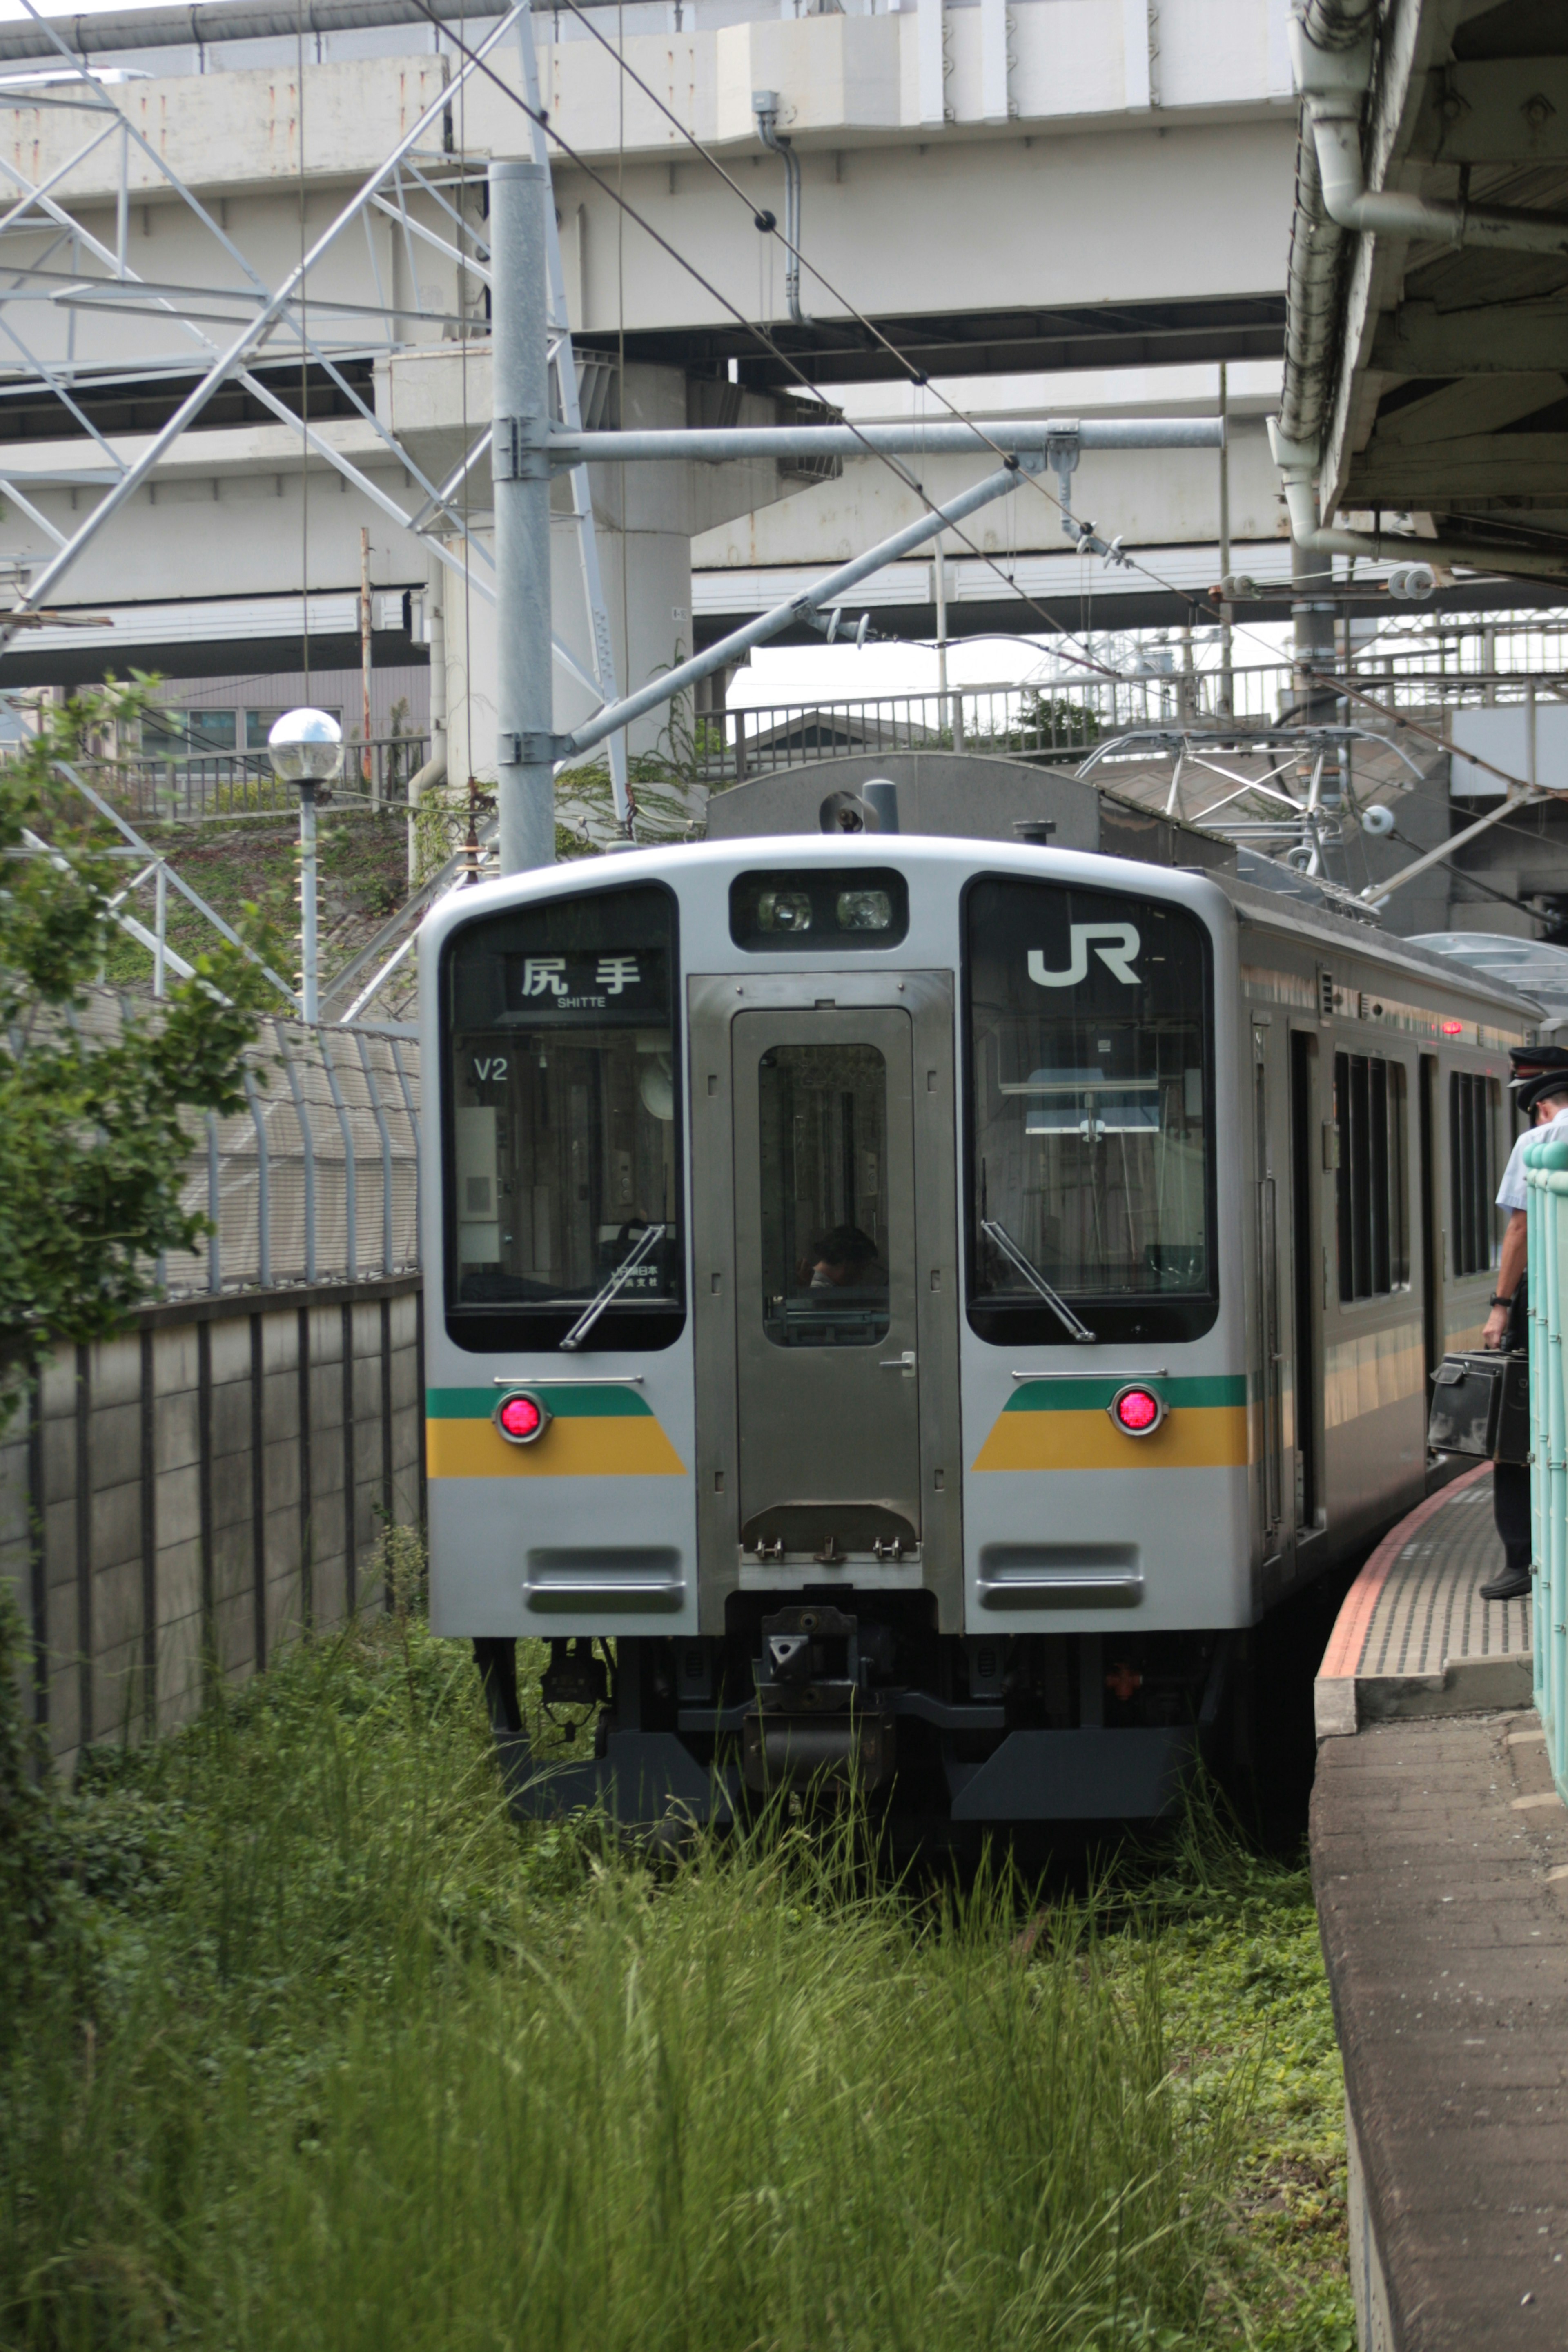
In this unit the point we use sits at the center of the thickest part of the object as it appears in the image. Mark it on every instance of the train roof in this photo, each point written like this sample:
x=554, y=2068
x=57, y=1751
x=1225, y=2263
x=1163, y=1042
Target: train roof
x=1025, y=816
x=1272, y=911
x=981, y=796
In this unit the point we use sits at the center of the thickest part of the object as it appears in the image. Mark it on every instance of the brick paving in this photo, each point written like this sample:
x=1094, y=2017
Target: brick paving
x=1445, y=1935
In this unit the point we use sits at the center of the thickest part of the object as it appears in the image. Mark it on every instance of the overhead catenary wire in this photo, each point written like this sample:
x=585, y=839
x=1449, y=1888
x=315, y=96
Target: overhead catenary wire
x=761, y=335
x=767, y=222
x=304, y=371
x=917, y=378
x=1053, y=625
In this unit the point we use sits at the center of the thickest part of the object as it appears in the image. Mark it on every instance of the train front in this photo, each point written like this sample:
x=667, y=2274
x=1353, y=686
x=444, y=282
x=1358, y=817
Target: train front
x=827, y=1249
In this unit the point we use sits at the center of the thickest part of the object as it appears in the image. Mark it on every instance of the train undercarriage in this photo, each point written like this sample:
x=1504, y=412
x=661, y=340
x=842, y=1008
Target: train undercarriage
x=813, y=1693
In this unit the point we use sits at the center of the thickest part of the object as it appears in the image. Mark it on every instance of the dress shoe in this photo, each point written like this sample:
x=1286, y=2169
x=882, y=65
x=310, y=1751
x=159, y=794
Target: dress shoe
x=1513, y=1584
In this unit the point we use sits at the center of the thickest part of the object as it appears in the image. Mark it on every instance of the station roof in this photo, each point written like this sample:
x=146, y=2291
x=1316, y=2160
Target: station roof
x=1433, y=376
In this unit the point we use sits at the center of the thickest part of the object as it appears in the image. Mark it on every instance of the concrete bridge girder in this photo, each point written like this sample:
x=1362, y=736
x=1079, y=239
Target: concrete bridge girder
x=1084, y=172
x=1132, y=213
x=1088, y=186
x=235, y=513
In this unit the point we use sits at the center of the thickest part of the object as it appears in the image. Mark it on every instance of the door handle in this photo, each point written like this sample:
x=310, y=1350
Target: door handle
x=904, y=1363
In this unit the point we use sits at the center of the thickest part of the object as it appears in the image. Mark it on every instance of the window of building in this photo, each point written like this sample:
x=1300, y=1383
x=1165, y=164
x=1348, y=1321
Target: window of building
x=258, y=724
x=1369, y=1111
x=188, y=734
x=1473, y=1172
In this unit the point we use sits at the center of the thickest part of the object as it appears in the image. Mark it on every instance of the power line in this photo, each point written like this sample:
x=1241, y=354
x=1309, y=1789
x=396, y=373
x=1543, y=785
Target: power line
x=917, y=379
x=761, y=334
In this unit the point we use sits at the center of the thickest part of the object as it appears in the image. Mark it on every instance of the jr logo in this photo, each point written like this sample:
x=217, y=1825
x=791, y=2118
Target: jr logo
x=1116, y=945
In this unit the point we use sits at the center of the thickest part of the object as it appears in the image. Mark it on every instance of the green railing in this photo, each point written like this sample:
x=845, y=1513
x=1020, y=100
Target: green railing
x=1546, y=1177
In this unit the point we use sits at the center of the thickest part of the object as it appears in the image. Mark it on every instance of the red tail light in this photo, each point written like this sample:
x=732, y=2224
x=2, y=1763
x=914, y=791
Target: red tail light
x=1137, y=1411
x=522, y=1417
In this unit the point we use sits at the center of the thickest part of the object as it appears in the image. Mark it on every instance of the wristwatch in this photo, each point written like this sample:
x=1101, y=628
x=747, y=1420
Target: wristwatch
x=1495, y=1301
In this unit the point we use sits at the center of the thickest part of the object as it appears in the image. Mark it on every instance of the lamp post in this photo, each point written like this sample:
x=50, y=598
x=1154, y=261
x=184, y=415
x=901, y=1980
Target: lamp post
x=307, y=751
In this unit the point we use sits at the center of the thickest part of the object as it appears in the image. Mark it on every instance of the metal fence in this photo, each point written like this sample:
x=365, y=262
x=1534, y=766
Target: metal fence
x=1062, y=717
x=228, y=785
x=318, y=1179
x=1546, y=1177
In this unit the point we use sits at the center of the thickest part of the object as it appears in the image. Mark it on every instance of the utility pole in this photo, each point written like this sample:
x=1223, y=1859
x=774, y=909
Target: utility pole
x=310, y=945
x=520, y=462
x=1226, y=610
x=1312, y=613
x=367, y=759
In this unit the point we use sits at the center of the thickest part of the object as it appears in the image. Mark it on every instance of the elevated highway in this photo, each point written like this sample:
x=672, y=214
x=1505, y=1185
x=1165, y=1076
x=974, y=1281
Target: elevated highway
x=985, y=194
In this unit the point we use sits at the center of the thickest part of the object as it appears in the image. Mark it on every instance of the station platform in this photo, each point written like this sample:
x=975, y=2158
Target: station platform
x=1440, y=1852
x=1414, y=1638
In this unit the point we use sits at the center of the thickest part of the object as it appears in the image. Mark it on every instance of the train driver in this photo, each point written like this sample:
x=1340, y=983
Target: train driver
x=846, y=1256
x=1539, y=1081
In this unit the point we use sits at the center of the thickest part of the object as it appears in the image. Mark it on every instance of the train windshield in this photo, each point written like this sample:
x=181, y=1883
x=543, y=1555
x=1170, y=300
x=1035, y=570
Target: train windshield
x=562, y=1178
x=1090, y=1129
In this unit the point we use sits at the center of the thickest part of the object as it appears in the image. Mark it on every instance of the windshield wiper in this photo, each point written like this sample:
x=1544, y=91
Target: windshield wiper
x=629, y=1265
x=1034, y=1277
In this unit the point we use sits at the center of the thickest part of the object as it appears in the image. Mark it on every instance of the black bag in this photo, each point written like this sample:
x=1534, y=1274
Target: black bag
x=1480, y=1406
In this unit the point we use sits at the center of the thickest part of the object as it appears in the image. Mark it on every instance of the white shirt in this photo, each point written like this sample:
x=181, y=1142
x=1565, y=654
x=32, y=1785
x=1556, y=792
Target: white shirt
x=1513, y=1193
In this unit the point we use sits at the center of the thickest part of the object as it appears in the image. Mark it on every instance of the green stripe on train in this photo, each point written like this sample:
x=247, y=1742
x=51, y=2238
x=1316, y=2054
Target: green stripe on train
x=608, y=1404
x=1098, y=1388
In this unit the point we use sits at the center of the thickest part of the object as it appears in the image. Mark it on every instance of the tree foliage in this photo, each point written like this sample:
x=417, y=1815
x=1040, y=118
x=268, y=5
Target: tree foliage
x=1058, y=718
x=96, y=1133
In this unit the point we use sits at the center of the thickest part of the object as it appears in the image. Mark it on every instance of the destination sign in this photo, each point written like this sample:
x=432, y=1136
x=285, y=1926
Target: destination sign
x=613, y=981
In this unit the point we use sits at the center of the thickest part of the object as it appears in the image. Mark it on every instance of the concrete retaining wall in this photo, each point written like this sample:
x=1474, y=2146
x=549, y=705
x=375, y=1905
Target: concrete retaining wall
x=176, y=1502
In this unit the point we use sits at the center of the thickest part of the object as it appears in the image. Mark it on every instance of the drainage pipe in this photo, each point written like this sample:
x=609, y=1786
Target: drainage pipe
x=1330, y=50
x=1298, y=464
x=766, y=107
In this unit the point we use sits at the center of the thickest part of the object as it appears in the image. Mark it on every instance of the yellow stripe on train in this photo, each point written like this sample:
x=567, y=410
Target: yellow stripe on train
x=1193, y=1437
x=594, y=1446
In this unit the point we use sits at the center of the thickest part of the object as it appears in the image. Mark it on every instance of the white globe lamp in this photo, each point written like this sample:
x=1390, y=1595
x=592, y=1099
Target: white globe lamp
x=306, y=749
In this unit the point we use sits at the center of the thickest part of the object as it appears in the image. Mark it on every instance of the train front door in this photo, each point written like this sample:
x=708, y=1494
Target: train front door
x=825, y=1281
x=827, y=1304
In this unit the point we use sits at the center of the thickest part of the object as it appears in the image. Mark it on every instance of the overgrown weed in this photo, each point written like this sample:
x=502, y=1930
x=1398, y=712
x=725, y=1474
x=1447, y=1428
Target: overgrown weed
x=319, y=2049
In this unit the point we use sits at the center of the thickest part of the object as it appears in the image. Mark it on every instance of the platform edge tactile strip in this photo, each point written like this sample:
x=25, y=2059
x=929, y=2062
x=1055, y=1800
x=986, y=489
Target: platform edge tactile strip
x=1413, y=1637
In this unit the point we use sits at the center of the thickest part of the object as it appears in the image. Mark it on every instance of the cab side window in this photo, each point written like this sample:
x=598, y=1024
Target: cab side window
x=1472, y=1171
x=1370, y=1101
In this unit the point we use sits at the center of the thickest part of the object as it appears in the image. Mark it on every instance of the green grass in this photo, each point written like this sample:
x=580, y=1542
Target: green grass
x=309, y=2047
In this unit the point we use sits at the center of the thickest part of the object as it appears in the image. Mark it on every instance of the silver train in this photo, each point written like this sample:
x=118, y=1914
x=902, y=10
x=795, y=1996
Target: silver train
x=912, y=1278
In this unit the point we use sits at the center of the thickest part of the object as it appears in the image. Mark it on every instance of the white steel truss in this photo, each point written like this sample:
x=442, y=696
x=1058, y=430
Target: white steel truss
x=221, y=334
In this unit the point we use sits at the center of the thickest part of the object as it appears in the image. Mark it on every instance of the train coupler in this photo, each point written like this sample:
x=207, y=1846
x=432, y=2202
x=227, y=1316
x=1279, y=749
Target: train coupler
x=812, y=1720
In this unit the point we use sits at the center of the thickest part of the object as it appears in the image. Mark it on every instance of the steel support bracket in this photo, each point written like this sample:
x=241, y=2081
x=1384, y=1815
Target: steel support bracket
x=532, y=747
x=519, y=449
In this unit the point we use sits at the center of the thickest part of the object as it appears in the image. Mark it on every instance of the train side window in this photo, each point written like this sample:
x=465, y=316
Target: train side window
x=1472, y=1171
x=1091, y=1115
x=1371, y=1106
x=562, y=1176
